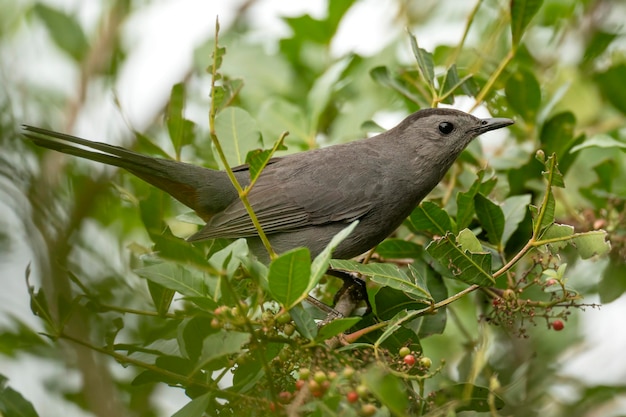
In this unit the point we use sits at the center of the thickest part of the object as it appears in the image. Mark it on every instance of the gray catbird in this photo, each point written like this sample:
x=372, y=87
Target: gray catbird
x=304, y=199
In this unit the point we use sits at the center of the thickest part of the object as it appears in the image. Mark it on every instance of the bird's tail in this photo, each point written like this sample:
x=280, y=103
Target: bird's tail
x=192, y=185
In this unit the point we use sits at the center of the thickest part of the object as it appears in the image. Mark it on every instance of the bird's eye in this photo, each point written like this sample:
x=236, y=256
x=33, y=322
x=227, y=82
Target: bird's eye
x=446, y=127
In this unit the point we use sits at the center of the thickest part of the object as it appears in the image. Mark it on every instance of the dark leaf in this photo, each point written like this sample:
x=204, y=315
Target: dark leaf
x=388, y=389
x=524, y=94
x=471, y=397
x=491, y=218
x=289, y=276
x=522, y=12
x=12, y=403
x=429, y=217
x=65, y=31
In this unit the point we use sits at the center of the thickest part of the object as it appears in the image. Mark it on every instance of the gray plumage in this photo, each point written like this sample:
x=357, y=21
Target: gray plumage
x=304, y=199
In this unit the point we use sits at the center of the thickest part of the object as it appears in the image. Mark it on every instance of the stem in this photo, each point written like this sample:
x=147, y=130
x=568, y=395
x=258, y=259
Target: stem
x=218, y=147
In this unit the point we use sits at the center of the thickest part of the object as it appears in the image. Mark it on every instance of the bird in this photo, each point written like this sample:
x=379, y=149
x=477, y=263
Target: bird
x=304, y=199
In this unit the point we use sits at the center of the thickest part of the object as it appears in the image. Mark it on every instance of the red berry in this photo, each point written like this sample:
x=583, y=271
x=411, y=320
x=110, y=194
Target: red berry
x=558, y=325
x=352, y=396
x=284, y=397
x=299, y=384
x=409, y=360
x=551, y=282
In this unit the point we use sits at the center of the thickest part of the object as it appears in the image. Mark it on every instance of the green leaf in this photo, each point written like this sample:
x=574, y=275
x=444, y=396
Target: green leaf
x=491, y=218
x=611, y=83
x=385, y=274
x=522, y=12
x=230, y=258
x=388, y=389
x=196, y=407
x=613, y=283
x=335, y=327
x=465, y=203
x=429, y=217
x=389, y=302
x=514, y=209
x=221, y=344
x=468, y=241
x=217, y=57
x=557, y=136
x=399, y=249
x=161, y=297
x=543, y=216
x=466, y=266
x=191, y=333
x=600, y=140
x=598, y=43
x=321, y=261
x=425, y=62
x=524, y=94
x=304, y=322
x=588, y=244
x=64, y=30
x=12, y=403
x=237, y=133
x=322, y=89
x=181, y=130
x=383, y=77
x=289, y=276
x=177, y=278
x=277, y=115
x=145, y=144
x=469, y=398
x=450, y=84
x=430, y=324
x=258, y=159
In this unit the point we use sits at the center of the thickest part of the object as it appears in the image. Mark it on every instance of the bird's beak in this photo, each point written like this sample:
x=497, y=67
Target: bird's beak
x=492, y=124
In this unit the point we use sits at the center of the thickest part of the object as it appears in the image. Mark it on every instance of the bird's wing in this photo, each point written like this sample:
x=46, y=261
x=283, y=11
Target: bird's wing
x=295, y=193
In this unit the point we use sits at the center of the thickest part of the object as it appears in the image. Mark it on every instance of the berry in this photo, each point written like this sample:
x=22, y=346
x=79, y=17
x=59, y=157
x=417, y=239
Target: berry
x=426, y=362
x=348, y=372
x=368, y=410
x=305, y=373
x=283, y=318
x=551, y=282
x=404, y=351
x=289, y=329
x=362, y=390
x=299, y=384
x=314, y=386
x=508, y=294
x=409, y=360
x=320, y=376
x=284, y=397
x=215, y=323
x=352, y=396
x=558, y=325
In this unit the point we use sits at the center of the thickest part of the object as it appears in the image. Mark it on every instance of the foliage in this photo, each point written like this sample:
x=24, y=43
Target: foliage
x=493, y=251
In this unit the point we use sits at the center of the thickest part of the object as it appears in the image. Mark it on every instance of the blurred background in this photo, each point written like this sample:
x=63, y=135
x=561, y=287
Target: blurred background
x=105, y=69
